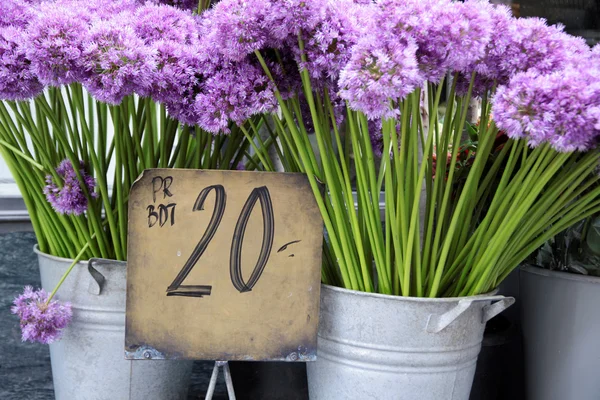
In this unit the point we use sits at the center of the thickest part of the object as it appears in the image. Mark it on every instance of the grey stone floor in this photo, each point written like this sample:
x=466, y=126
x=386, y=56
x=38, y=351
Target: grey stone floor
x=25, y=372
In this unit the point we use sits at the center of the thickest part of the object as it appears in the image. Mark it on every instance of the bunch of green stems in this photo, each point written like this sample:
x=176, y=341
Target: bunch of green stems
x=67, y=123
x=439, y=236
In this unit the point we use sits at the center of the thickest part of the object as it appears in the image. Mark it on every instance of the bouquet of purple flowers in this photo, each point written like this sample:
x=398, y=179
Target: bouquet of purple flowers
x=94, y=92
x=349, y=92
x=367, y=80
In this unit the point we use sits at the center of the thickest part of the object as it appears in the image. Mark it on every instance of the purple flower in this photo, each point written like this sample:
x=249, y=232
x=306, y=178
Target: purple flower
x=55, y=44
x=178, y=74
x=235, y=28
x=234, y=93
x=99, y=9
x=380, y=70
x=41, y=322
x=596, y=52
x=17, y=81
x=183, y=4
x=449, y=35
x=327, y=46
x=70, y=197
x=519, y=45
x=117, y=62
x=158, y=22
x=16, y=13
x=561, y=108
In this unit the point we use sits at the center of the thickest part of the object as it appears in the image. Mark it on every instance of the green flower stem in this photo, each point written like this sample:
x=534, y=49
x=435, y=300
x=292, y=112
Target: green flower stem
x=67, y=272
x=334, y=189
x=413, y=229
x=348, y=276
x=525, y=197
x=119, y=240
x=349, y=200
x=19, y=153
x=263, y=157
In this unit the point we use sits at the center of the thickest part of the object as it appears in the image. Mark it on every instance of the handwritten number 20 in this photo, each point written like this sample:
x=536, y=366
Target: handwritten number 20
x=235, y=268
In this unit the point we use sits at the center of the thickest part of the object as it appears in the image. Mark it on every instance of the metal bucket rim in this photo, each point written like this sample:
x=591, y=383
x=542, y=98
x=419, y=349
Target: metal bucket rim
x=406, y=298
x=40, y=253
x=532, y=269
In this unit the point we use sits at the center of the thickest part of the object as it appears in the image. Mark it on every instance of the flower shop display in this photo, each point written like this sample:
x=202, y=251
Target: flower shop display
x=371, y=78
x=559, y=289
x=366, y=98
x=85, y=89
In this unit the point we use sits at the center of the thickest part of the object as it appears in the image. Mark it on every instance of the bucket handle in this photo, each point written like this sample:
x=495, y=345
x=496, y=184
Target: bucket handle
x=437, y=323
x=97, y=281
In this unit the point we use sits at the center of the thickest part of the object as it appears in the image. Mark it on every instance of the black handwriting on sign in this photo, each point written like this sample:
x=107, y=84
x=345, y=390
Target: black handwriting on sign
x=162, y=216
x=163, y=212
x=235, y=268
x=161, y=184
x=176, y=288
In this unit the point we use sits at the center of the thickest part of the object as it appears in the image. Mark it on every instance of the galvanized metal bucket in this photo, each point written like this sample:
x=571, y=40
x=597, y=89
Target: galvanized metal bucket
x=561, y=327
x=88, y=362
x=373, y=346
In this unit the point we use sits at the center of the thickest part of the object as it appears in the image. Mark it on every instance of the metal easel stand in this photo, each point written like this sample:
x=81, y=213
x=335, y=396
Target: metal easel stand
x=213, y=380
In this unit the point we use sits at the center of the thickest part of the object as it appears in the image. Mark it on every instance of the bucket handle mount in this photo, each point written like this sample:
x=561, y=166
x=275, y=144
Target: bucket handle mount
x=97, y=281
x=437, y=323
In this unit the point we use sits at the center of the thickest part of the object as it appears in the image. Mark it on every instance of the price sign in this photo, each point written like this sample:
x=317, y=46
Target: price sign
x=223, y=265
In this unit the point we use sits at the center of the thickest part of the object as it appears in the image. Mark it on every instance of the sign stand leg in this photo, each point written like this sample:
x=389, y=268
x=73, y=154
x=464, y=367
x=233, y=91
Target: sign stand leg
x=213, y=380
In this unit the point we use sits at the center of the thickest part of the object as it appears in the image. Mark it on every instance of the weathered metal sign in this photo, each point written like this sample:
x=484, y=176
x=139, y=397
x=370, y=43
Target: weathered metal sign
x=223, y=265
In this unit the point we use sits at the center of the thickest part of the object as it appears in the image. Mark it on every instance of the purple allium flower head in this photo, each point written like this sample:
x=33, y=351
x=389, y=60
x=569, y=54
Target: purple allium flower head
x=70, y=198
x=179, y=78
x=449, y=35
x=16, y=13
x=596, y=52
x=179, y=71
x=55, y=43
x=235, y=28
x=561, y=108
x=183, y=4
x=41, y=322
x=117, y=62
x=234, y=93
x=91, y=10
x=381, y=69
x=158, y=22
x=522, y=44
x=17, y=81
x=327, y=46
x=239, y=27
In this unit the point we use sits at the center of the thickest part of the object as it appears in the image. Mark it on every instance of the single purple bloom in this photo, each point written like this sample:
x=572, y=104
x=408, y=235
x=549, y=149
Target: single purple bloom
x=41, y=322
x=381, y=70
x=17, y=13
x=70, y=197
x=117, y=62
x=235, y=28
x=520, y=45
x=92, y=10
x=234, y=93
x=561, y=108
x=17, y=80
x=449, y=35
x=327, y=46
x=55, y=44
x=183, y=4
x=159, y=22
